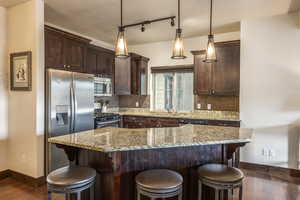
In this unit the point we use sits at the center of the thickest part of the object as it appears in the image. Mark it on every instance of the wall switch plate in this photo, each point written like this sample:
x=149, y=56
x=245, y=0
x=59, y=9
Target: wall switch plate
x=137, y=104
x=208, y=106
x=199, y=106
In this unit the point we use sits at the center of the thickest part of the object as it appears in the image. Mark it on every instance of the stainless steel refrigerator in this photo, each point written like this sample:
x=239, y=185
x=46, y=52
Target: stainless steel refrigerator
x=69, y=109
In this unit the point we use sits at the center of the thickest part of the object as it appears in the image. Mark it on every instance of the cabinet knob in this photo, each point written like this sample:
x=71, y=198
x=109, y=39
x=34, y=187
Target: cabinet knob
x=64, y=66
x=213, y=91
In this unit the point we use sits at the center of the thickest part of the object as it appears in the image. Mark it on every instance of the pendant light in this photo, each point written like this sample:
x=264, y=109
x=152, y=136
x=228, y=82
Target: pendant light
x=121, y=44
x=178, y=50
x=210, y=50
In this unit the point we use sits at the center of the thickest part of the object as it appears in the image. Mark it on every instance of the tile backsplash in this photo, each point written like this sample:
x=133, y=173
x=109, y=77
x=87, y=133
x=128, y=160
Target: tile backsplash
x=134, y=101
x=217, y=103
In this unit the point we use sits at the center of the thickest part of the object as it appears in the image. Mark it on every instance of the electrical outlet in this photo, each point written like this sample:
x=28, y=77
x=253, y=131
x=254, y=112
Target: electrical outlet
x=137, y=104
x=208, y=106
x=199, y=106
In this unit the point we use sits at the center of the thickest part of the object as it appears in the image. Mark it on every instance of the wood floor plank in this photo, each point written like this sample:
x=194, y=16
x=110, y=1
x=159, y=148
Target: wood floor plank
x=255, y=188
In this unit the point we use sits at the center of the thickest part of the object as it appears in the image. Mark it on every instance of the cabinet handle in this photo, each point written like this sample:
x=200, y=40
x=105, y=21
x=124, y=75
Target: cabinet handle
x=213, y=91
x=64, y=66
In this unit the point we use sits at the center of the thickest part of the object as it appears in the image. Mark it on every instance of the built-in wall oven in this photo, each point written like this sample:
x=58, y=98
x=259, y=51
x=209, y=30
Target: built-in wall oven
x=103, y=86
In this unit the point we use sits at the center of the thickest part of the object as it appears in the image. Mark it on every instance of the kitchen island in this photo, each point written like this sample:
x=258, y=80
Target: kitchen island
x=119, y=154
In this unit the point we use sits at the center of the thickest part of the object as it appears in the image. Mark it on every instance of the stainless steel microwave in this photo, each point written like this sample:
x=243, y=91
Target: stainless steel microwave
x=103, y=86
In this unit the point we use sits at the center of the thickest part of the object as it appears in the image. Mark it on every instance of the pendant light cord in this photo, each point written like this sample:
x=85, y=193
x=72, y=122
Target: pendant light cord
x=210, y=26
x=122, y=14
x=178, y=14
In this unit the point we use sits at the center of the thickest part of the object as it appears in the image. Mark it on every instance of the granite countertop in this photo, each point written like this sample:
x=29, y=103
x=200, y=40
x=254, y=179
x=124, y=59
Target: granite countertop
x=121, y=139
x=191, y=115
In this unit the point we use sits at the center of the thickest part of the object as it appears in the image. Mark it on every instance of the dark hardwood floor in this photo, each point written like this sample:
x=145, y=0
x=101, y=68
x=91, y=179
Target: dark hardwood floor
x=255, y=188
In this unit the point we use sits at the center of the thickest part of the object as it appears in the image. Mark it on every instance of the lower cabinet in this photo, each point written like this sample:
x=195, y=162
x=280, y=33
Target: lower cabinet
x=148, y=122
x=157, y=122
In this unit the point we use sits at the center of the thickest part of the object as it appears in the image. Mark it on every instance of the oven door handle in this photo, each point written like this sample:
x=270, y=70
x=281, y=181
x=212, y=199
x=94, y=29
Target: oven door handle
x=109, y=122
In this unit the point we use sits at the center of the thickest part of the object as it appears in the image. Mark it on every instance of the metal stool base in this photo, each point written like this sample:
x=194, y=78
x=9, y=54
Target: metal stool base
x=73, y=189
x=220, y=187
x=158, y=193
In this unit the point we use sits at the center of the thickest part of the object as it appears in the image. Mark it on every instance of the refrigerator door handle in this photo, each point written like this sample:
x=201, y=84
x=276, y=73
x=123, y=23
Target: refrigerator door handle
x=72, y=109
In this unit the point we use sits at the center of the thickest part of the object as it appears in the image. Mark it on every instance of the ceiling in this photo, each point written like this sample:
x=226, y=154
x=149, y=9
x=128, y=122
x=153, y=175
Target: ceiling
x=8, y=3
x=99, y=18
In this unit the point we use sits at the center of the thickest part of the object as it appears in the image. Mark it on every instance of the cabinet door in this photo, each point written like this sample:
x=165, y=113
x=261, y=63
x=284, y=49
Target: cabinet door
x=74, y=55
x=143, y=80
x=135, y=77
x=91, y=61
x=106, y=63
x=54, y=53
x=202, y=75
x=123, y=76
x=226, y=71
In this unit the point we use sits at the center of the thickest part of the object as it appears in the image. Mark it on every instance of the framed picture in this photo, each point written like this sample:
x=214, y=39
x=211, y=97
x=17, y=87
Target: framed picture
x=20, y=71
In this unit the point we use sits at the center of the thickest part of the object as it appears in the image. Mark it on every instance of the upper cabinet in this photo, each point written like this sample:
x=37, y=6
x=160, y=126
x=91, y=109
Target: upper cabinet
x=100, y=61
x=221, y=78
x=64, y=50
x=67, y=51
x=131, y=75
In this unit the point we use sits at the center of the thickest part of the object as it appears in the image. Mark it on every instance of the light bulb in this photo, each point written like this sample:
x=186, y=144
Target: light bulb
x=121, y=46
x=211, y=50
x=178, y=49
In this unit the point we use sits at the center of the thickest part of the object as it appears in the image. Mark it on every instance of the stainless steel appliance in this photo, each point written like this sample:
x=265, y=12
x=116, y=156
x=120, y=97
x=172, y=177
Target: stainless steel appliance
x=107, y=120
x=69, y=109
x=103, y=86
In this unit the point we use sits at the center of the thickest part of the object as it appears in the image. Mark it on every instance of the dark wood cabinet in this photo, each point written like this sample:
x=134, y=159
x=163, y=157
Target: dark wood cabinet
x=100, y=61
x=54, y=48
x=148, y=122
x=64, y=50
x=74, y=54
x=91, y=61
x=130, y=121
x=202, y=75
x=222, y=77
x=131, y=74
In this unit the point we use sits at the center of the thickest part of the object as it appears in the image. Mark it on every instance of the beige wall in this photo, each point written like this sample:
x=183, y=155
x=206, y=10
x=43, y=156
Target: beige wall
x=26, y=113
x=270, y=89
x=3, y=90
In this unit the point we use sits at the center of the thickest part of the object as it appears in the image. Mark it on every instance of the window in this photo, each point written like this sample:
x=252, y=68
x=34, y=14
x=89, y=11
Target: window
x=173, y=91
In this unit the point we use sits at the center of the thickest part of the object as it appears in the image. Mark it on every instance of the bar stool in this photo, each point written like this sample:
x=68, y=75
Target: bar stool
x=221, y=178
x=159, y=183
x=71, y=180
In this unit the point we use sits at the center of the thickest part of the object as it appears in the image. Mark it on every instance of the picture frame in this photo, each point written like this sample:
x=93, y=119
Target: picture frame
x=20, y=71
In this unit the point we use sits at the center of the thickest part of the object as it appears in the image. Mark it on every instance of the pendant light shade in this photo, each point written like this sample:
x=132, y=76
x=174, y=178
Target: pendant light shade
x=210, y=50
x=121, y=45
x=178, y=49
x=211, y=55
